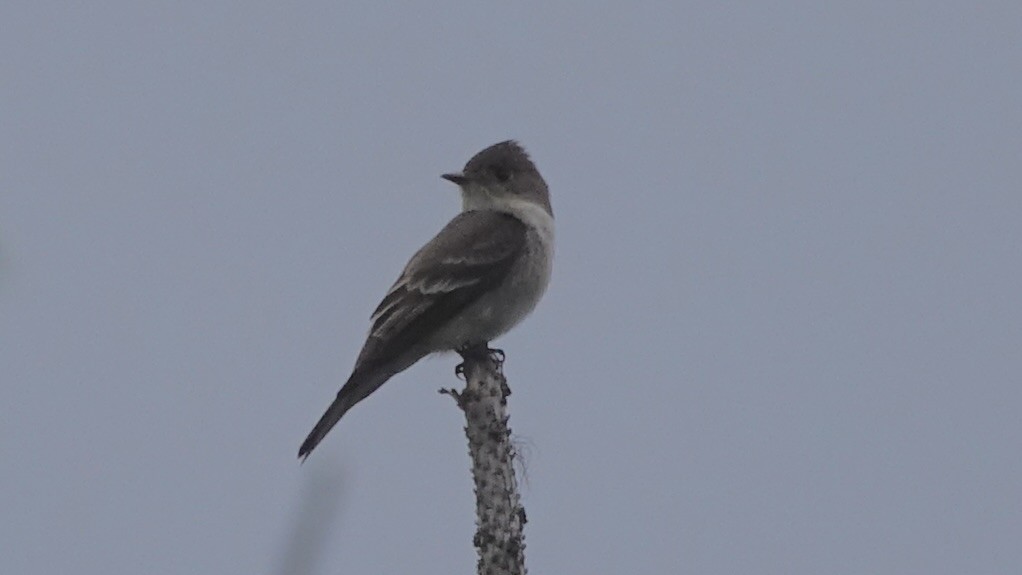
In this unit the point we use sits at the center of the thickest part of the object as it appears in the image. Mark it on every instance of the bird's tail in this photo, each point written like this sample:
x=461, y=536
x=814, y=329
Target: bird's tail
x=361, y=383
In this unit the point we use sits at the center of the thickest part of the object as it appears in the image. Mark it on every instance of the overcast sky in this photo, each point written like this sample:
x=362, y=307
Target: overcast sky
x=784, y=333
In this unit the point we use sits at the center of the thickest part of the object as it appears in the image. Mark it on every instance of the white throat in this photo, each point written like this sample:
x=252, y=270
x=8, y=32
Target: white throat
x=533, y=215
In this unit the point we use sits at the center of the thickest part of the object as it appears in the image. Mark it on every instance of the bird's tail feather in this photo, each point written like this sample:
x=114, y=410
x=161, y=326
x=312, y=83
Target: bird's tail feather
x=361, y=383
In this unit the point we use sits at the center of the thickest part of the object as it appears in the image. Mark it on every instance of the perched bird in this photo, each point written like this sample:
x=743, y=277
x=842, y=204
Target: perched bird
x=480, y=276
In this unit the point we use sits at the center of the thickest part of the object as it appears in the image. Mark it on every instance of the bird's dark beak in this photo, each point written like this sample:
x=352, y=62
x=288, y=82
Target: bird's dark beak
x=458, y=178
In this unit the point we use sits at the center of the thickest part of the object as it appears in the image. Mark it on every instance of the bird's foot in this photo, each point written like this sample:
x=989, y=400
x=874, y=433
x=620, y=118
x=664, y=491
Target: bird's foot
x=497, y=357
x=479, y=352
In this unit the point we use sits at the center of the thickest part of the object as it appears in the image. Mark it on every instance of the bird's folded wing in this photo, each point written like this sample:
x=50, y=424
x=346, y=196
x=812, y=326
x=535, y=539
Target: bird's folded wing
x=471, y=255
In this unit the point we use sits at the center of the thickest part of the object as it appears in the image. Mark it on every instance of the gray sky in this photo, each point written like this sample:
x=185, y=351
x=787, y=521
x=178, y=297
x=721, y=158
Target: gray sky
x=783, y=334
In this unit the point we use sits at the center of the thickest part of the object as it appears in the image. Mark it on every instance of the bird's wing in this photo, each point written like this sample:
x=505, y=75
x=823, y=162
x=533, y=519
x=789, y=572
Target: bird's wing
x=471, y=255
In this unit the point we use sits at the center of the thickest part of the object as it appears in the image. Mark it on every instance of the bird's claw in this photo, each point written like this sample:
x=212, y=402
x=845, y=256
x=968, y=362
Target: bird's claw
x=479, y=351
x=496, y=356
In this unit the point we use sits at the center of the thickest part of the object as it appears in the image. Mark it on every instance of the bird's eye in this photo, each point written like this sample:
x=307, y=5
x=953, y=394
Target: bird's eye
x=501, y=173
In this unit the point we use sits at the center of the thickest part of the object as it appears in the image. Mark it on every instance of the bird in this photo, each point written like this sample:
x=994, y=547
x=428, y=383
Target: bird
x=481, y=275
